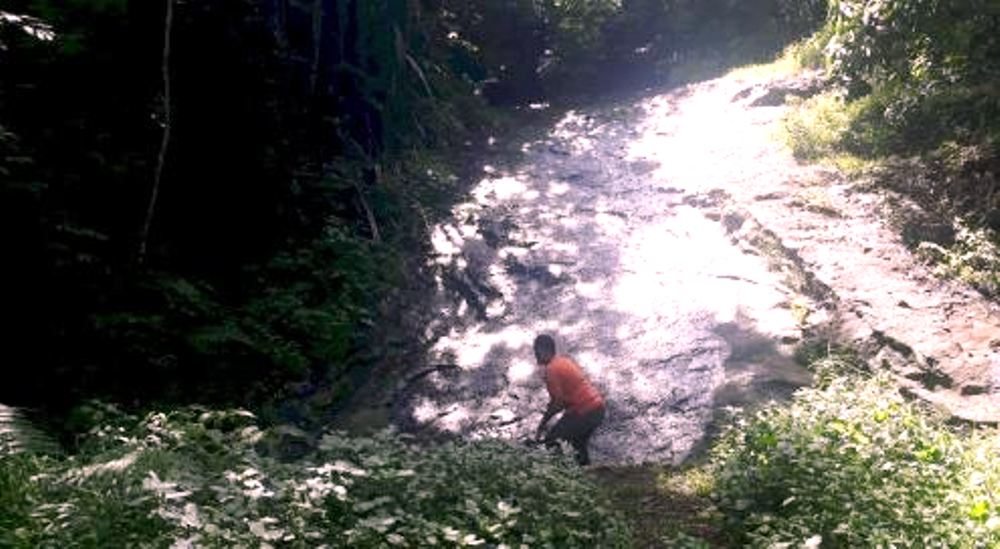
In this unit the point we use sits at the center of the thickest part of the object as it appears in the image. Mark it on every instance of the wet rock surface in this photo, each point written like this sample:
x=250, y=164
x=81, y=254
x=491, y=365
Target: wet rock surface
x=680, y=255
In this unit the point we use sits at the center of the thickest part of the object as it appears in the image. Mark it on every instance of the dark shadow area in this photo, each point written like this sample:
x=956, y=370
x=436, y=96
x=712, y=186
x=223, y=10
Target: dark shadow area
x=605, y=50
x=659, y=502
x=758, y=368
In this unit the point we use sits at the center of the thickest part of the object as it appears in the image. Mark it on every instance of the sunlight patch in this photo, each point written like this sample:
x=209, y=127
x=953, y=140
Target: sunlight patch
x=592, y=363
x=472, y=348
x=521, y=370
x=589, y=290
x=610, y=223
x=442, y=244
x=558, y=189
x=503, y=188
x=454, y=419
x=568, y=248
x=425, y=410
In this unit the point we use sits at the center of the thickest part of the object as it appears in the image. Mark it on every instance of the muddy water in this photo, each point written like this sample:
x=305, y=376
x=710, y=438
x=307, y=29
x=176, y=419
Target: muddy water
x=678, y=252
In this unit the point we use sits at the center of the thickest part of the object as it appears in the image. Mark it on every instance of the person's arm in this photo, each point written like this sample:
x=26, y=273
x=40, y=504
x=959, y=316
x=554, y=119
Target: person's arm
x=552, y=409
x=553, y=383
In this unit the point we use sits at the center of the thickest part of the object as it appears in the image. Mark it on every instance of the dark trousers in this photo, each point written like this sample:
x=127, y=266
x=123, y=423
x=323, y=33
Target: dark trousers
x=577, y=431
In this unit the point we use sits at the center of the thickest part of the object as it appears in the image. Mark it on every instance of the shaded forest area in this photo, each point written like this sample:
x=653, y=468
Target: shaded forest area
x=213, y=217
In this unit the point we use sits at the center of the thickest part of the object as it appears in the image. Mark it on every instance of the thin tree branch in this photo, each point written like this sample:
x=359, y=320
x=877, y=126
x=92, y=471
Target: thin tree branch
x=369, y=213
x=420, y=73
x=317, y=37
x=168, y=24
x=280, y=23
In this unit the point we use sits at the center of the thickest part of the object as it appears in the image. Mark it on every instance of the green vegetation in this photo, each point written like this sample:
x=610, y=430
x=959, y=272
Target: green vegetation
x=849, y=463
x=974, y=258
x=303, y=149
x=302, y=158
x=209, y=478
x=852, y=463
x=816, y=128
x=664, y=506
x=915, y=81
x=913, y=76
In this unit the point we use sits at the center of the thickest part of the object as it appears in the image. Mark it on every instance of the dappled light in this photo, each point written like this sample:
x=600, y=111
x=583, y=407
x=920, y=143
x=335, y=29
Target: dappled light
x=32, y=26
x=277, y=272
x=595, y=236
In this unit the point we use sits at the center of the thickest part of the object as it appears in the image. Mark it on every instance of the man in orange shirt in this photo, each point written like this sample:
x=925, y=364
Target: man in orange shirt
x=569, y=390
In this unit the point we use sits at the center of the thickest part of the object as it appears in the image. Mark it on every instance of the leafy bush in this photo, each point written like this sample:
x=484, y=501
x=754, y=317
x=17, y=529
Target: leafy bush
x=924, y=72
x=974, y=258
x=887, y=121
x=914, y=41
x=308, y=310
x=529, y=48
x=853, y=464
x=206, y=478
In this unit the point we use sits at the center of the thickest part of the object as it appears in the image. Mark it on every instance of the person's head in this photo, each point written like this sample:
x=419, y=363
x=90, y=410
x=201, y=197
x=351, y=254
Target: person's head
x=545, y=348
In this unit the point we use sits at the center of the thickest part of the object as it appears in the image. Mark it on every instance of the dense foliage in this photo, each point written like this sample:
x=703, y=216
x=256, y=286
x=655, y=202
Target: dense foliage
x=208, y=478
x=924, y=72
x=923, y=44
x=288, y=185
x=579, y=47
x=853, y=464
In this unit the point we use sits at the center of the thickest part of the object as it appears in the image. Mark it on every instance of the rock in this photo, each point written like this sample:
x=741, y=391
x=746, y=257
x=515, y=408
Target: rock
x=918, y=231
x=931, y=252
x=992, y=219
x=733, y=221
x=558, y=150
x=504, y=416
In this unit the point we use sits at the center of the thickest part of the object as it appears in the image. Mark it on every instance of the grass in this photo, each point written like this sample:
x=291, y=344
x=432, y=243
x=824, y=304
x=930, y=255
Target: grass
x=815, y=130
x=804, y=54
x=665, y=506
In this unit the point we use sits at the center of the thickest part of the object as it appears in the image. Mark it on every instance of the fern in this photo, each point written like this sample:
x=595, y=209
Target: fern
x=18, y=434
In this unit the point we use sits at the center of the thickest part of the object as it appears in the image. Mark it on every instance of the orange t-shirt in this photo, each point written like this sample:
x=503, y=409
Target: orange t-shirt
x=569, y=386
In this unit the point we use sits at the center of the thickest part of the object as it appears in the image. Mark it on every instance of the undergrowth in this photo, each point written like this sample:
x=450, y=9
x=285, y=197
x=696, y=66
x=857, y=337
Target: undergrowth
x=195, y=477
x=853, y=464
x=848, y=463
x=913, y=108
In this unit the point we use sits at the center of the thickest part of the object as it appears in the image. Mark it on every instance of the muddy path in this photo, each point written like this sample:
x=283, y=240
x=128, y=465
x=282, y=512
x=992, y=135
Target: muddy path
x=677, y=250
